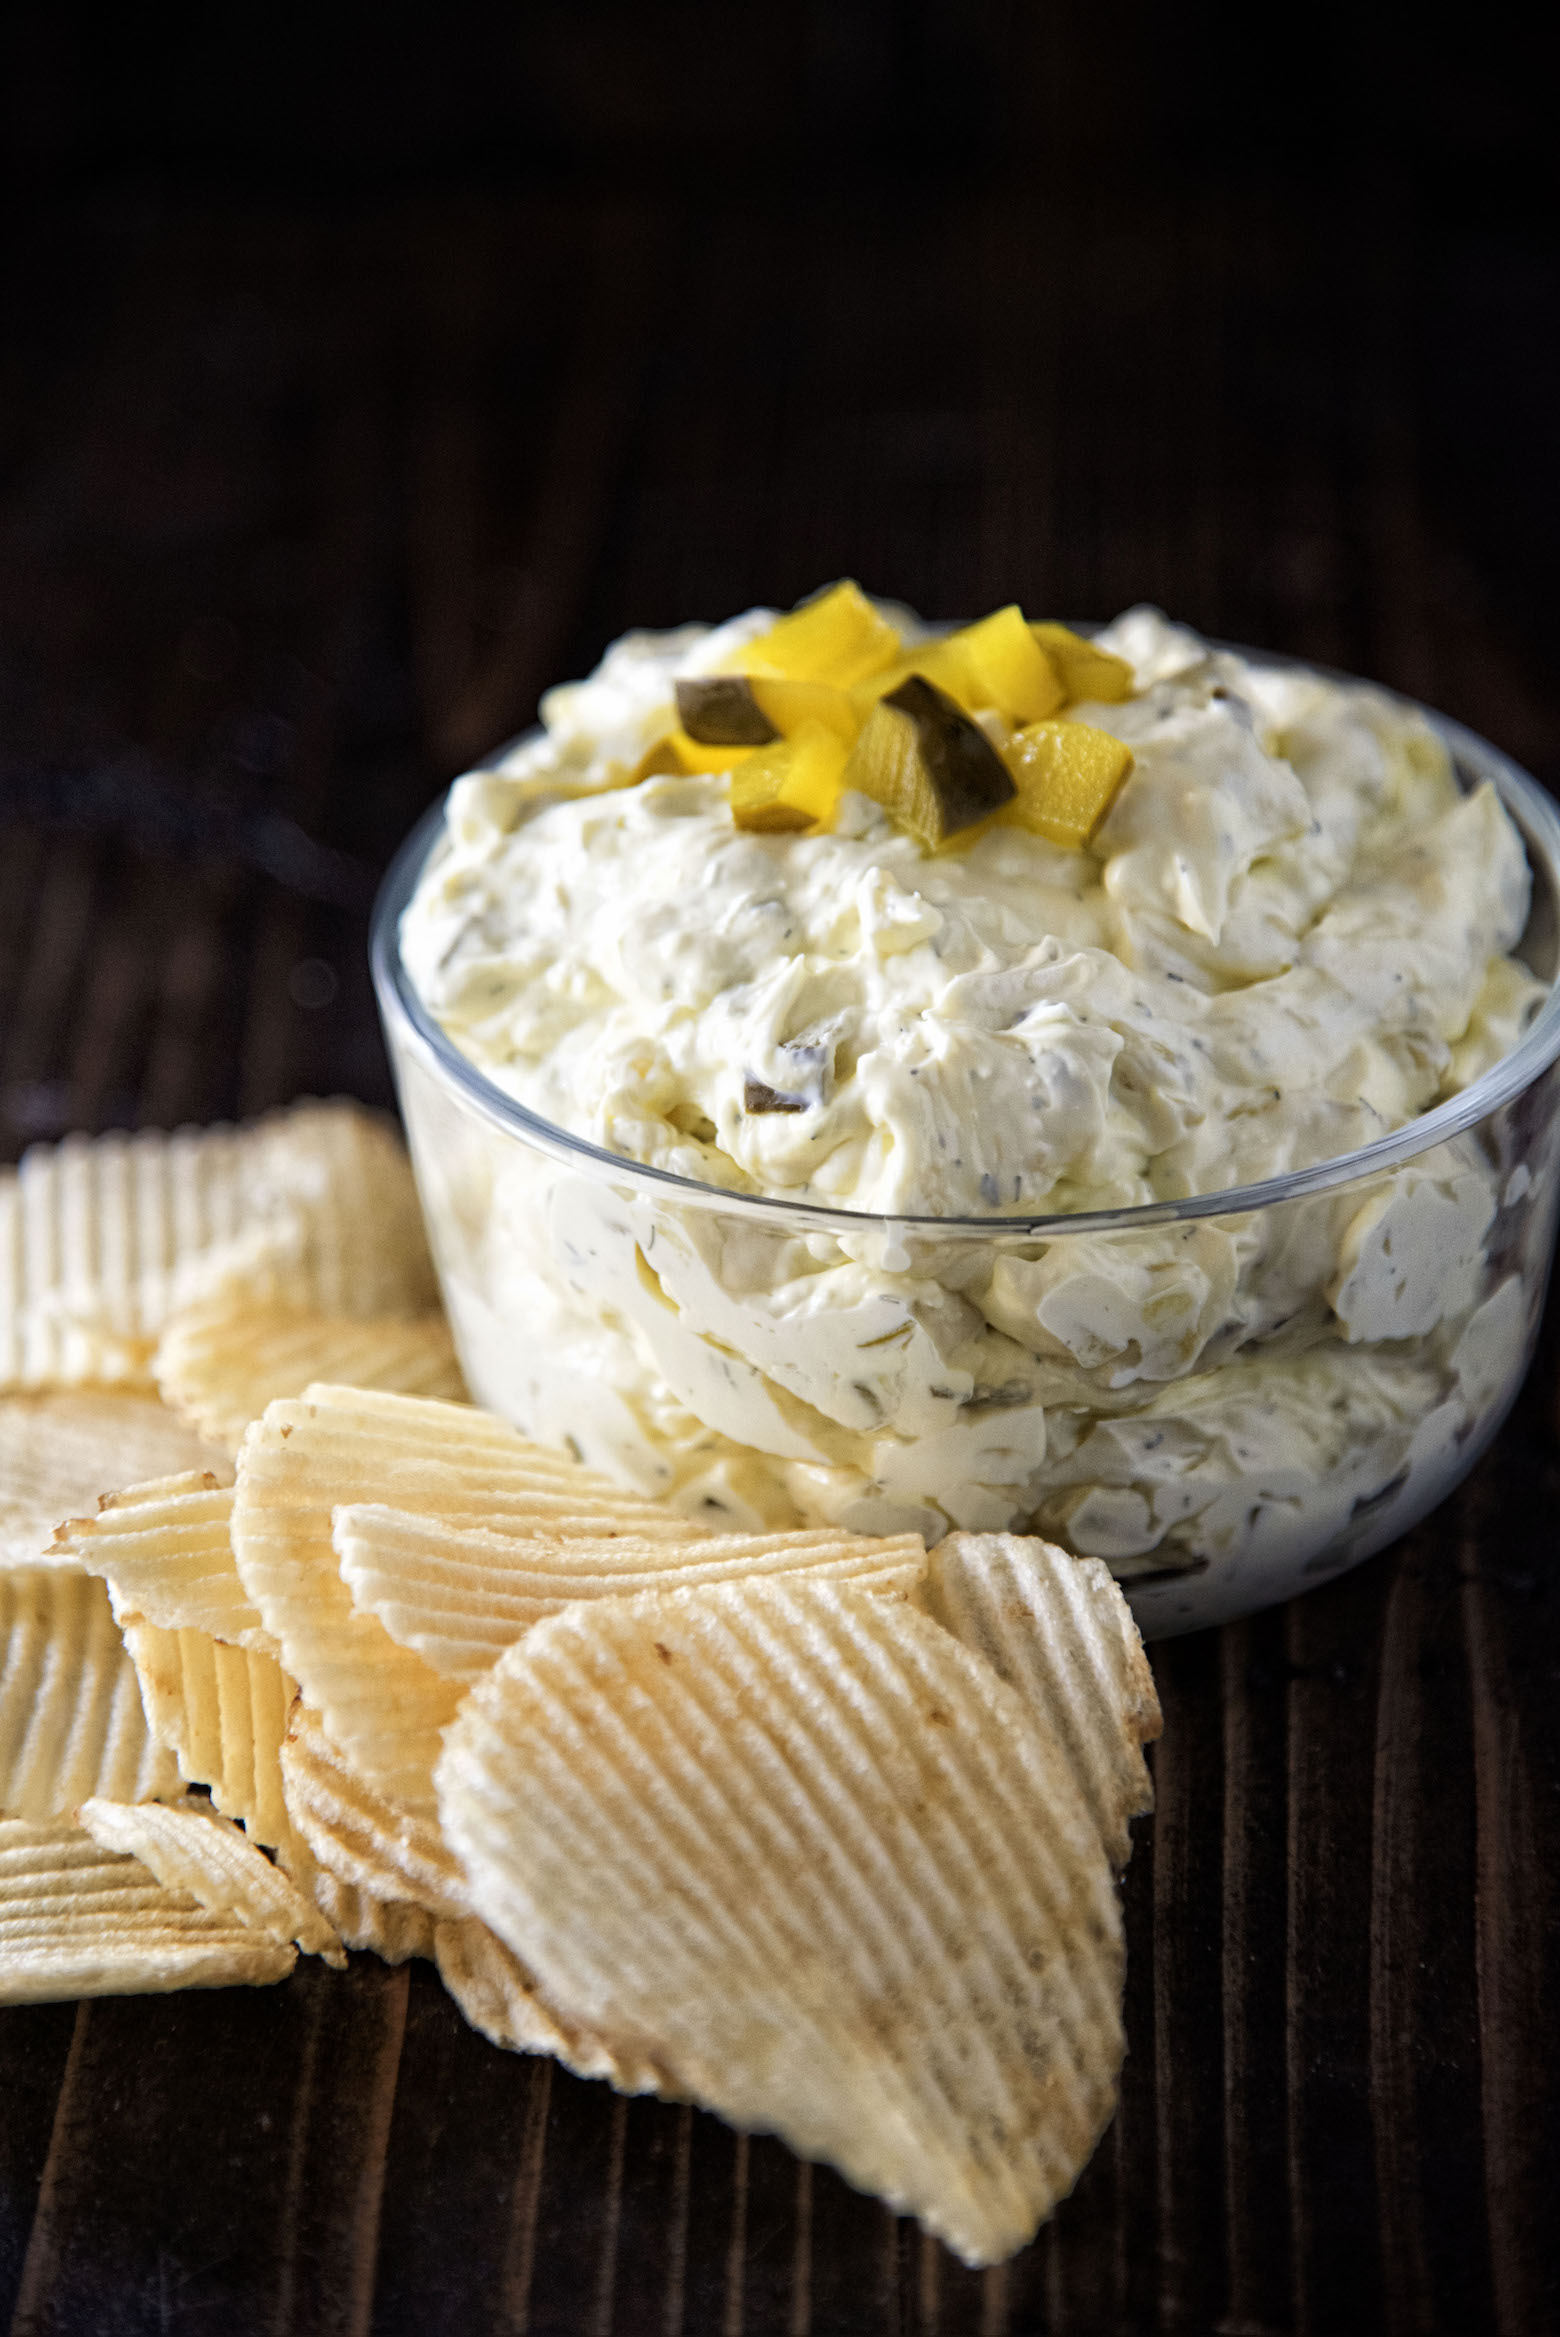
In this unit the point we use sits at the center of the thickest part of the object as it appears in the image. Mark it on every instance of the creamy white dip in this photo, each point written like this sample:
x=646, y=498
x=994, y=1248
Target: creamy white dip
x=1291, y=934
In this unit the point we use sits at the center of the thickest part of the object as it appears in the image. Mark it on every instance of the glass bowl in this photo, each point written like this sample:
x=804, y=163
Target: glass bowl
x=1228, y=1398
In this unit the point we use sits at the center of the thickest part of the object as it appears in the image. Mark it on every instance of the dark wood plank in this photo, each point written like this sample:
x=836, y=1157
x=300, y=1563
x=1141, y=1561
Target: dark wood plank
x=1334, y=1637
x=37, y=2044
x=1425, y=2071
x=337, y=2148
x=461, y=2145
x=1507, y=1563
x=216, y=2160
x=575, y=2268
x=1135, y=2135
x=1254, y=1670
x=1188, y=2021
x=652, y=2239
x=34, y=1044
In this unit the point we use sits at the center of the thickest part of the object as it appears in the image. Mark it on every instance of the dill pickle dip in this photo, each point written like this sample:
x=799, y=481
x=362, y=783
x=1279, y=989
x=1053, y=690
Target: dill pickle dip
x=1003, y=924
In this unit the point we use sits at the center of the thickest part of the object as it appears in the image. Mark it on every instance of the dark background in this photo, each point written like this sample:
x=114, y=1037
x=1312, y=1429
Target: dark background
x=360, y=375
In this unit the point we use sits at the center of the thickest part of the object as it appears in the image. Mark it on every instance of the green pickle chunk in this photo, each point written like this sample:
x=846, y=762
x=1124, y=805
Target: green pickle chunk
x=928, y=764
x=720, y=710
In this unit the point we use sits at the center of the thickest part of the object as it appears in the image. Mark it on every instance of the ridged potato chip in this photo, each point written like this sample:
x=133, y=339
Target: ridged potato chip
x=77, y=1920
x=345, y=1170
x=388, y=1928
x=816, y=1859
x=188, y=1847
x=61, y=1452
x=382, y=1704
x=103, y=1238
x=71, y=1722
x=472, y=1466
x=1058, y=1630
x=222, y=1712
x=498, y=1996
x=390, y=1853
x=166, y=1552
x=458, y=1596
x=219, y=1365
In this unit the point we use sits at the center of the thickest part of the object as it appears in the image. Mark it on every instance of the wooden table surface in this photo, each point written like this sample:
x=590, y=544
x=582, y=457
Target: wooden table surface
x=299, y=508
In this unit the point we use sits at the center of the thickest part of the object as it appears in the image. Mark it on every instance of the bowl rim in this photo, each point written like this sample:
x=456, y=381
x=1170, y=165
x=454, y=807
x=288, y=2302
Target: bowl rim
x=409, y=1024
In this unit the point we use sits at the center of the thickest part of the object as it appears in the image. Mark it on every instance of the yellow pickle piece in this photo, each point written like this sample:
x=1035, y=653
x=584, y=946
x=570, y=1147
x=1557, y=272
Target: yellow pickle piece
x=938, y=662
x=751, y=710
x=660, y=761
x=791, y=785
x=837, y=637
x=1086, y=672
x=1000, y=664
x=677, y=756
x=927, y=763
x=1067, y=776
x=927, y=661
x=788, y=705
x=994, y=666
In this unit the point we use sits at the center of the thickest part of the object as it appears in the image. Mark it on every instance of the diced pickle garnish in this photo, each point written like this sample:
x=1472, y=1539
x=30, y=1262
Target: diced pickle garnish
x=996, y=666
x=755, y=709
x=661, y=761
x=1068, y=774
x=1086, y=672
x=720, y=710
x=865, y=695
x=791, y=785
x=935, y=661
x=678, y=756
x=789, y=704
x=926, y=762
x=1000, y=664
x=821, y=674
x=836, y=637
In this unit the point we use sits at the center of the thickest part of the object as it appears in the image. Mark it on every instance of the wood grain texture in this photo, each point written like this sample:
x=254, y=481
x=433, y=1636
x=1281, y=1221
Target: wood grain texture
x=303, y=506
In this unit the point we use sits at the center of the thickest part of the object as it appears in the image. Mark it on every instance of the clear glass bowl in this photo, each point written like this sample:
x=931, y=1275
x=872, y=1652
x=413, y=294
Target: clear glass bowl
x=1228, y=1398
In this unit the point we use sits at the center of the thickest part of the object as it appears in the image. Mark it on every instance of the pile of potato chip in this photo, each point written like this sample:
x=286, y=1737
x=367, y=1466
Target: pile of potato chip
x=819, y=1830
